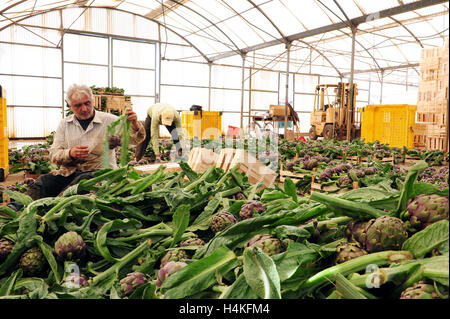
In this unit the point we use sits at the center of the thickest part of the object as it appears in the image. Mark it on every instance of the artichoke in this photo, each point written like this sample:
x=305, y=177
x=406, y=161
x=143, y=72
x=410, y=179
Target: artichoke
x=168, y=269
x=221, y=221
x=174, y=255
x=348, y=252
x=424, y=210
x=250, y=208
x=420, y=290
x=344, y=181
x=193, y=241
x=239, y=196
x=356, y=231
x=270, y=245
x=70, y=246
x=385, y=233
x=75, y=280
x=131, y=282
x=33, y=263
x=5, y=248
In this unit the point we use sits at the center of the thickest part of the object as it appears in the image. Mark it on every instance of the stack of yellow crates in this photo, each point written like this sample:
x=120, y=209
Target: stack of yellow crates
x=202, y=124
x=4, y=161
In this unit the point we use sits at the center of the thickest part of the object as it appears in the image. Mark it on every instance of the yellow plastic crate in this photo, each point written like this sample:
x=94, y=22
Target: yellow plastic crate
x=203, y=125
x=392, y=124
x=4, y=160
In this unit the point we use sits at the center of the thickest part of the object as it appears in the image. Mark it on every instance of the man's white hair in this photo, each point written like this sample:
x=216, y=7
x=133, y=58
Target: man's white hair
x=76, y=91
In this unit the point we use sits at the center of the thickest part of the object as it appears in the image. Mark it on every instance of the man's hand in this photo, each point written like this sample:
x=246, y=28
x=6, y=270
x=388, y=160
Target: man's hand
x=79, y=152
x=132, y=117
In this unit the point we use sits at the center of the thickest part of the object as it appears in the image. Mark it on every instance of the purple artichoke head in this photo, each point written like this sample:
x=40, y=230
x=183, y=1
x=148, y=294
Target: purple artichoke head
x=251, y=208
x=170, y=268
x=425, y=210
x=385, y=233
x=5, y=248
x=349, y=251
x=239, y=196
x=131, y=282
x=268, y=244
x=221, y=221
x=70, y=246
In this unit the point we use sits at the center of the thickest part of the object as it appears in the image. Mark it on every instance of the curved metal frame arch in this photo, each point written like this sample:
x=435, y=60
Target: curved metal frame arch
x=110, y=8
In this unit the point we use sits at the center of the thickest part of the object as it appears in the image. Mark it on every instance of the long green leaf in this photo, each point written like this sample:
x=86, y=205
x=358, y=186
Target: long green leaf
x=408, y=187
x=18, y=196
x=261, y=274
x=199, y=275
x=290, y=189
x=8, y=285
x=47, y=251
x=239, y=290
x=180, y=222
x=427, y=239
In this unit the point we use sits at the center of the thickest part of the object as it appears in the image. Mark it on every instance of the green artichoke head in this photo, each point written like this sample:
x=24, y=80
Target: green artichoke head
x=70, y=246
x=193, y=241
x=425, y=210
x=33, y=263
x=349, y=251
x=174, y=255
x=5, y=248
x=131, y=282
x=420, y=290
x=222, y=221
x=385, y=233
x=268, y=244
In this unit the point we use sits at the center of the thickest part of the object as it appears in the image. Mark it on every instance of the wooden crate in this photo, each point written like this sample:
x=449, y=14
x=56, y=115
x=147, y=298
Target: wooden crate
x=150, y=168
x=252, y=167
x=295, y=177
x=114, y=102
x=200, y=159
x=318, y=187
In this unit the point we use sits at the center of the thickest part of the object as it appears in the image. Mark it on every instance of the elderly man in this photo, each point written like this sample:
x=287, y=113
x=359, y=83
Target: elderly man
x=160, y=114
x=78, y=143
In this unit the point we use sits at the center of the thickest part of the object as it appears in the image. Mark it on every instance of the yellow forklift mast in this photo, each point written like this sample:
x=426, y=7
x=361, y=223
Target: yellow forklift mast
x=330, y=117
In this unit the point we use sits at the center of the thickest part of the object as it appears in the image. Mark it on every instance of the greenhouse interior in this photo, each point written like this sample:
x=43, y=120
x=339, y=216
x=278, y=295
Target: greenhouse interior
x=224, y=149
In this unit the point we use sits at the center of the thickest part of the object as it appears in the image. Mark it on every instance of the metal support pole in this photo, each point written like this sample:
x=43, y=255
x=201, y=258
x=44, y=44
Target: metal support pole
x=242, y=92
x=381, y=87
x=62, y=62
x=352, y=72
x=209, y=86
x=250, y=95
x=286, y=101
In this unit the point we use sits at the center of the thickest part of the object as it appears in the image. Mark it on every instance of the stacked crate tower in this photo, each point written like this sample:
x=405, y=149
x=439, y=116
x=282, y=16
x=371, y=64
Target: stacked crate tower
x=432, y=102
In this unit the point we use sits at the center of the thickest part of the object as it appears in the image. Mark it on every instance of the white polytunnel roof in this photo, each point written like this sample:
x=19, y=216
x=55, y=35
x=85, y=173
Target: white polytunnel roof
x=389, y=33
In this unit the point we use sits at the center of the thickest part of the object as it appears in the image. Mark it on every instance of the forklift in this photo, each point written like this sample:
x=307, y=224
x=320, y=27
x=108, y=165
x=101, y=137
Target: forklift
x=330, y=120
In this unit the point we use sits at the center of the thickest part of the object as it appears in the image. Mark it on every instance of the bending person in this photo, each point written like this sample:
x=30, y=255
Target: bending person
x=160, y=114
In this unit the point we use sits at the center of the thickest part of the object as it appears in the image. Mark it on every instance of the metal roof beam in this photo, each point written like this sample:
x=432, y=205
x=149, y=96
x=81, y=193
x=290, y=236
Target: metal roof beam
x=336, y=26
x=396, y=67
x=159, y=11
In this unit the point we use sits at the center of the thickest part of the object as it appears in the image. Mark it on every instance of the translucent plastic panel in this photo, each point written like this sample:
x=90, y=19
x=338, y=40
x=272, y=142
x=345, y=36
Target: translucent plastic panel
x=228, y=77
x=133, y=54
x=374, y=6
x=305, y=83
x=140, y=105
x=209, y=45
x=50, y=19
x=399, y=94
x=350, y=9
x=265, y=80
x=305, y=122
x=304, y=102
x=74, y=18
x=182, y=98
x=32, y=122
x=15, y=59
x=146, y=29
x=183, y=73
x=30, y=35
x=227, y=100
x=122, y=23
x=139, y=82
x=85, y=74
x=246, y=35
x=171, y=37
x=262, y=100
x=87, y=49
x=28, y=91
x=285, y=16
x=180, y=52
x=98, y=20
